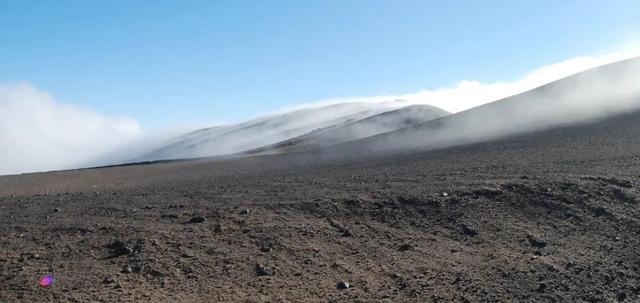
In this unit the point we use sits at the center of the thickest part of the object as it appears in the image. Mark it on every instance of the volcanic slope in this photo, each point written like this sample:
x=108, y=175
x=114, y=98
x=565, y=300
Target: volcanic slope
x=264, y=131
x=542, y=213
x=551, y=216
x=352, y=130
x=587, y=96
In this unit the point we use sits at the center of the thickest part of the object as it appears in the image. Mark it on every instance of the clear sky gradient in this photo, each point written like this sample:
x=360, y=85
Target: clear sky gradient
x=180, y=62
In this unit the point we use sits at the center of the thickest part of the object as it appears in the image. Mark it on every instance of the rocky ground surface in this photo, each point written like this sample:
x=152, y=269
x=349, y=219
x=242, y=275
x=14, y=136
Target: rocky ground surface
x=546, y=217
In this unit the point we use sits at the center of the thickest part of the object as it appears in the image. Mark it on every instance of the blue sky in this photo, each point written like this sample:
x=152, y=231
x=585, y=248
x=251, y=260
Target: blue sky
x=180, y=62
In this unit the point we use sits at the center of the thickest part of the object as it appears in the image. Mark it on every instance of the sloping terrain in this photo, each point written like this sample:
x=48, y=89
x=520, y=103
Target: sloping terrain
x=544, y=209
x=551, y=216
x=352, y=130
x=587, y=96
x=574, y=99
x=264, y=131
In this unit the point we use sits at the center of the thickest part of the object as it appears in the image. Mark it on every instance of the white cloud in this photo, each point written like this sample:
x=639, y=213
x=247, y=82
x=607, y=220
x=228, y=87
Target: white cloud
x=38, y=133
x=467, y=94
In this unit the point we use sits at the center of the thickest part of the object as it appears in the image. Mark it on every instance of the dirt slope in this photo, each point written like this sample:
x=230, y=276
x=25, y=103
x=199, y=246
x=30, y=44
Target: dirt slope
x=551, y=216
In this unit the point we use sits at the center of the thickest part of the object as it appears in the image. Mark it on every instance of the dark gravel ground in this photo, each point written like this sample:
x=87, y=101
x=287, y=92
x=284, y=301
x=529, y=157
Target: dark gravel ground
x=545, y=217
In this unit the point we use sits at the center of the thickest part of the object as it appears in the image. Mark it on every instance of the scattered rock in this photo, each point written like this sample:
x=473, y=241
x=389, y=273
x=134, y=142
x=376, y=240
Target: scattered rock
x=266, y=249
x=343, y=285
x=263, y=271
x=409, y=200
x=619, y=182
x=622, y=196
x=217, y=228
x=127, y=269
x=405, y=247
x=570, y=264
x=469, y=230
x=24, y=257
x=542, y=287
x=119, y=248
x=346, y=233
x=488, y=192
x=108, y=280
x=197, y=219
x=57, y=210
x=536, y=241
x=244, y=212
x=600, y=211
x=457, y=280
x=445, y=194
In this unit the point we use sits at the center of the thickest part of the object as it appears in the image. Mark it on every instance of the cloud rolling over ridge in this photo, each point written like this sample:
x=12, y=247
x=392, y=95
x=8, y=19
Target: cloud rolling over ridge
x=38, y=133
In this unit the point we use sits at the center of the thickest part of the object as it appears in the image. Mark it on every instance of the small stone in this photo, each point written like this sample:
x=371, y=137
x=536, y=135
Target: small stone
x=346, y=233
x=127, y=269
x=244, y=212
x=108, y=280
x=469, y=230
x=600, y=211
x=197, y=219
x=488, y=192
x=617, y=239
x=542, y=287
x=622, y=296
x=217, y=228
x=57, y=210
x=536, y=242
x=119, y=248
x=343, y=285
x=266, y=249
x=405, y=247
x=570, y=264
x=445, y=194
x=263, y=271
